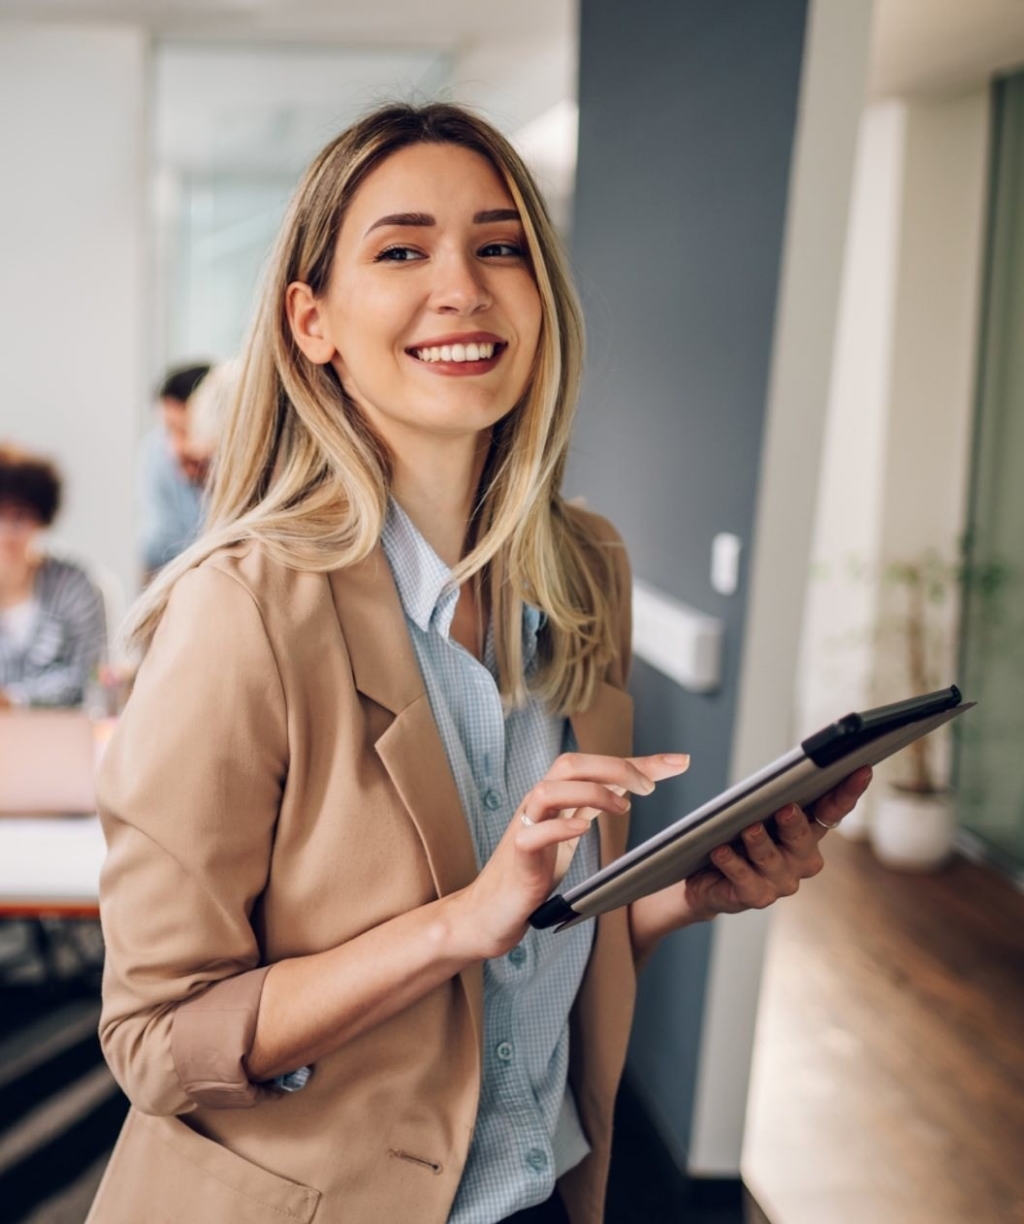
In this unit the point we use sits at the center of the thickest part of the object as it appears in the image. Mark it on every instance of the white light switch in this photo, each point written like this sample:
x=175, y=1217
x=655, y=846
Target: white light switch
x=725, y=563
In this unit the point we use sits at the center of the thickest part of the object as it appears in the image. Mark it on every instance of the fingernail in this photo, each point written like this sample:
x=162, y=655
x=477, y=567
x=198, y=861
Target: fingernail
x=676, y=758
x=789, y=814
x=622, y=803
x=722, y=854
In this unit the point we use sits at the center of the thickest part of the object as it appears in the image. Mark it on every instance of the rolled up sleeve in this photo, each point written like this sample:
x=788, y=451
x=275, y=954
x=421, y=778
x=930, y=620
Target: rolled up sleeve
x=188, y=794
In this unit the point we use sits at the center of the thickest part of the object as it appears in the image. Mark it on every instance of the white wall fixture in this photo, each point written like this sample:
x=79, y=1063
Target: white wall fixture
x=682, y=643
x=725, y=562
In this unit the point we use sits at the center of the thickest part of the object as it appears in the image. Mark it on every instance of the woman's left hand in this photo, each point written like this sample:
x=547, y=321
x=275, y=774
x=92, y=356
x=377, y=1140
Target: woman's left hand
x=766, y=870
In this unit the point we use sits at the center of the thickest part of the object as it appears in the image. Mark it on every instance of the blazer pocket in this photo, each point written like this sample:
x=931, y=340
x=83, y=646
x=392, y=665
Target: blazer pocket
x=164, y=1172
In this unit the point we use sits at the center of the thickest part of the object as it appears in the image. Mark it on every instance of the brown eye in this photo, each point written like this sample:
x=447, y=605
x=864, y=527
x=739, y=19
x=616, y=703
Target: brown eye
x=398, y=254
x=503, y=250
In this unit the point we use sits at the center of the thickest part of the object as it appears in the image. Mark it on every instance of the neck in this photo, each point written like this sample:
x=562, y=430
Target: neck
x=16, y=580
x=436, y=485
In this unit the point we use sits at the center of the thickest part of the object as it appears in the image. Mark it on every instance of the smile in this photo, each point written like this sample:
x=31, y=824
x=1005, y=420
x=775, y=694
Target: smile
x=457, y=353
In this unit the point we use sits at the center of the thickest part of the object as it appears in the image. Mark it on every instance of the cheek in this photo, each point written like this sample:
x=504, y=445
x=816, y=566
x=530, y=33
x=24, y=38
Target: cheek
x=363, y=336
x=530, y=330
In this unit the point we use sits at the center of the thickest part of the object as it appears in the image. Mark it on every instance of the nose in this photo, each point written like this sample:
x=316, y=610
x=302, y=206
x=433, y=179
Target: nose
x=461, y=286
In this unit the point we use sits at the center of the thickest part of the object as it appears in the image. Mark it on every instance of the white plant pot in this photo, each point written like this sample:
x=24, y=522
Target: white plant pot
x=912, y=832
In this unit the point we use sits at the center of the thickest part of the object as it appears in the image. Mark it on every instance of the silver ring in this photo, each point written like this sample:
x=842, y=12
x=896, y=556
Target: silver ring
x=526, y=820
x=824, y=825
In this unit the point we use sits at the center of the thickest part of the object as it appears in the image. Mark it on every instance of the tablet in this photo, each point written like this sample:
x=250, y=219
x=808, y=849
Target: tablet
x=803, y=775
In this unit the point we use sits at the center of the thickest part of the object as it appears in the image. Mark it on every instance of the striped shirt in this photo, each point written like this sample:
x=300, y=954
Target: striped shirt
x=527, y=1130
x=50, y=662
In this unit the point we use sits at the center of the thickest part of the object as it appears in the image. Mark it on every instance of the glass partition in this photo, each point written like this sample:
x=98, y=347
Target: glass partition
x=990, y=759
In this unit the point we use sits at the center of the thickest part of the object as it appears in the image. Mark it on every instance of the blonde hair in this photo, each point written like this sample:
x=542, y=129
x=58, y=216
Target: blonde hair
x=299, y=469
x=208, y=406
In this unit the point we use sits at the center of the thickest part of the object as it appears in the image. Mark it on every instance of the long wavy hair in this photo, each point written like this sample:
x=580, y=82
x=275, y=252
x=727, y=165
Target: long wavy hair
x=299, y=469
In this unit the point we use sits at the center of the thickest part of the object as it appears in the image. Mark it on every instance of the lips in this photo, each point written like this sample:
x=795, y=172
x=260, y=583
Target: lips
x=462, y=352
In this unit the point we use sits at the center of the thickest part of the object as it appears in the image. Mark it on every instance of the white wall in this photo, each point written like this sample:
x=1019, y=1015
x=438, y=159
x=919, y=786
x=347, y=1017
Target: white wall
x=945, y=188
x=836, y=653
x=895, y=471
x=72, y=125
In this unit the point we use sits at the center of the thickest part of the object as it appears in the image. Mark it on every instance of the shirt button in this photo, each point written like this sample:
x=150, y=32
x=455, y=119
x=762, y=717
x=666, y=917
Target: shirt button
x=517, y=955
x=537, y=1159
x=492, y=800
x=504, y=1051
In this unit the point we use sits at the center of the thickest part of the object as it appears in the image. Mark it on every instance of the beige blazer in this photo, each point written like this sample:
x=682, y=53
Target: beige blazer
x=276, y=786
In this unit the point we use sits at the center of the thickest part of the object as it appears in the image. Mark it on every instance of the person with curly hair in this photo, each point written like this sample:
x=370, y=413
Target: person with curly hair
x=52, y=625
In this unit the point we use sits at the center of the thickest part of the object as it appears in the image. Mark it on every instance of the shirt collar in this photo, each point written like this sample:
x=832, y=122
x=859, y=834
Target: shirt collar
x=424, y=581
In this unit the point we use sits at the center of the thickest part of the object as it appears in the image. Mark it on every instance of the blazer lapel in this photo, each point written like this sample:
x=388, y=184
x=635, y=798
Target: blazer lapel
x=386, y=670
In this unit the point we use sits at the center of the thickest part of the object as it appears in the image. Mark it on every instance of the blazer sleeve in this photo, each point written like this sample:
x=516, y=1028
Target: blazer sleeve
x=624, y=597
x=188, y=795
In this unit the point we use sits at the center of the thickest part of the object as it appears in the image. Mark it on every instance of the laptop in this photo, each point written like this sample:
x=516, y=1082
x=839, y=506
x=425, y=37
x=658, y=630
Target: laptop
x=47, y=763
x=803, y=775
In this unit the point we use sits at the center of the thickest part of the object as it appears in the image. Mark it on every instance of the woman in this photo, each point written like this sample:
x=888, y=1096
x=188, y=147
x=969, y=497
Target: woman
x=52, y=625
x=383, y=702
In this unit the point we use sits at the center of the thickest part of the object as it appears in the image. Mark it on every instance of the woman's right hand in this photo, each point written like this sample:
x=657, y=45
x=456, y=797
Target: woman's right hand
x=534, y=852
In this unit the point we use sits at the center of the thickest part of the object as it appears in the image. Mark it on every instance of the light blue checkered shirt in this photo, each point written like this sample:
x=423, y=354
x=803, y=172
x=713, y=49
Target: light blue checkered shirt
x=527, y=1130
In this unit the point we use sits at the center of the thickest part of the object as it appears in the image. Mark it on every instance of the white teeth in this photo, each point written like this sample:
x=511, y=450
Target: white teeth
x=456, y=352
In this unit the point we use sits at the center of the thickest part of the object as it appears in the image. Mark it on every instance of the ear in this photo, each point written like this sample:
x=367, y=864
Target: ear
x=309, y=327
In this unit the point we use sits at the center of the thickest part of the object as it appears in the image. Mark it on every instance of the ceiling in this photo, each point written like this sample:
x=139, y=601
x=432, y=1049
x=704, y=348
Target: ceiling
x=943, y=46
x=259, y=85
x=443, y=24
x=919, y=46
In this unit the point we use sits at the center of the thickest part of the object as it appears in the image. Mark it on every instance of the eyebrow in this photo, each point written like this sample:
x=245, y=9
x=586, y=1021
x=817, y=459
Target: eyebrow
x=487, y=217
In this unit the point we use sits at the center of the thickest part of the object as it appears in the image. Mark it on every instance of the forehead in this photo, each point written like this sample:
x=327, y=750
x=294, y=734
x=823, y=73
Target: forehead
x=12, y=507
x=440, y=179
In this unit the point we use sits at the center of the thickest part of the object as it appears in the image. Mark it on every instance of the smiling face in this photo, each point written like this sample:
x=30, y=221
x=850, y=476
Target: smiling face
x=431, y=316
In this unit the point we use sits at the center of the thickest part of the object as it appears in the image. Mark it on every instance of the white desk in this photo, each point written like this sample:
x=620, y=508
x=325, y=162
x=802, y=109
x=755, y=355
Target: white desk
x=50, y=865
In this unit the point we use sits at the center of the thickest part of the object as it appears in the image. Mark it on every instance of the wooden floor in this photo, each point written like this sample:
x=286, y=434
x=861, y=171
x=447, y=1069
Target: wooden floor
x=888, y=1083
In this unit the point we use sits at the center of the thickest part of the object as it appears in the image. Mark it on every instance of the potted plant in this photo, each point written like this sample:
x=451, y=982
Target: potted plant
x=912, y=825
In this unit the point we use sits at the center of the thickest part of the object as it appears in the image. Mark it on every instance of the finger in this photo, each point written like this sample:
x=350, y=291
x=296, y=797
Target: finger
x=550, y=798
x=762, y=851
x=751, y=889
x=795, y=830
x=541, y=837
x=662, y=765
x=626, y=773
x=710, y=893
x=831, y=808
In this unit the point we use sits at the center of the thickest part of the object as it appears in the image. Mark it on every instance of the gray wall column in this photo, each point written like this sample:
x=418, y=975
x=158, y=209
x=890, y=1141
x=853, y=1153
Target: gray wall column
x=687, y=118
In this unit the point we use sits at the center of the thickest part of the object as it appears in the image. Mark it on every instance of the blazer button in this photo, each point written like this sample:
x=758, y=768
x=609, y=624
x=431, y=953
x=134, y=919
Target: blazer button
x=504, y=1051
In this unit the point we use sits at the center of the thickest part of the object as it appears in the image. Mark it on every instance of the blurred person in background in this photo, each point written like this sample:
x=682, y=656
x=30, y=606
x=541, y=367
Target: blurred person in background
x=207, y=411
x=53, y=633
x=170, y=478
